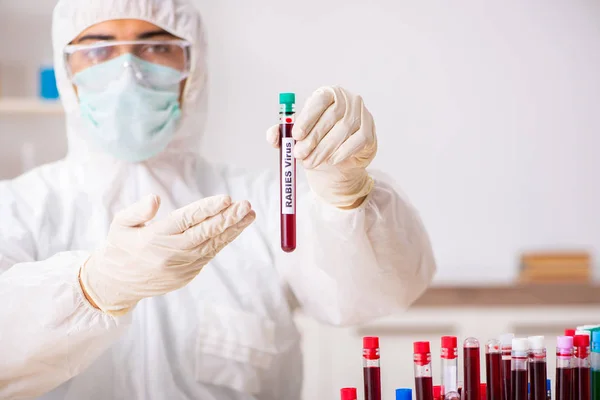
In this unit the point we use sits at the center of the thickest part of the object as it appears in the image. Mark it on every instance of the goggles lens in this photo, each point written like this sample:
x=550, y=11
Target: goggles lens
x=173, y=54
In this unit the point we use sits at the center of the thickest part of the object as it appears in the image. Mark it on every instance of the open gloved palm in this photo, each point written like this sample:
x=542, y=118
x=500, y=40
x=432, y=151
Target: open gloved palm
x=141, y=260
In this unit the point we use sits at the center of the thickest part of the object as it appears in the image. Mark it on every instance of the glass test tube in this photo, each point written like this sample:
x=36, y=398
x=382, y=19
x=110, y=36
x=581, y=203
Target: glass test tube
x=404, y=394
x=437, y=392
x=581, y=361
x=493, y=369
x=371, y=368
x=520, y=350
x=564, y=368
x=423, y=373
x=472, y=372
x=595, y=361
x=449, y=361
x=537, y=367
x=506, y=340
x=287, y=168
x=348, y=394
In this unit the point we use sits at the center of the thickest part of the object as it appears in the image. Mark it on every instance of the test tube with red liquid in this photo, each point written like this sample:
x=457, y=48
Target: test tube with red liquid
x=564, y=368
x=493, y=369
x=348, y=394
x=404, y=394
x=423, y=372
x=483, y=391
x=287, y=169
x=437, y=392
x=449, y=359
x=371, y=368
x=506, y=340
x=581, y=361
x=520, y=350
x=472, y=371
x=537, y=367
x=576, y=361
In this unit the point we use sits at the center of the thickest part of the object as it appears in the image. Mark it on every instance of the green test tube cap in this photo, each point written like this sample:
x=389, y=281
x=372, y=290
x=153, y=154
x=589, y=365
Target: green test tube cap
x=287, y=98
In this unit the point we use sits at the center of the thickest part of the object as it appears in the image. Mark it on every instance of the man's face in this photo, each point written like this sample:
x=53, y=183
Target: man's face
x=125, y=30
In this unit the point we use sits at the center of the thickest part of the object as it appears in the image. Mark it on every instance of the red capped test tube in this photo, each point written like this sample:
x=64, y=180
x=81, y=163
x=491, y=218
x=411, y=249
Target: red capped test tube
x=287, y=170
x=371, y=368
x=570, y=332
x=472, y=369
x=493, y=369
x=449, y=358
x=583, y=370
x=537, y=368
x=564, y=368
x=506, y=340
x=348, y=394
x=520, y=353
x=423, y=373
x=437, y=392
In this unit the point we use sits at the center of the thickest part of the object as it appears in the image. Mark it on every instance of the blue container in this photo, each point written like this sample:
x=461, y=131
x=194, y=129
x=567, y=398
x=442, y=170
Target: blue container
x=404, y=394
x=47, y=84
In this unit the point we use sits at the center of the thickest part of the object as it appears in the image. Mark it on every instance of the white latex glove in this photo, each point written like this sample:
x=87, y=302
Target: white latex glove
x=140, y=260
x=336, y=141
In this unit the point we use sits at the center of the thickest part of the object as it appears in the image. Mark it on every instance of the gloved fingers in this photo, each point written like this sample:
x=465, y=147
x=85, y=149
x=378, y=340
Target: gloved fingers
x=314, y=107
x=326, y=122
x=214, y=226
x=341, y=132
x=273, y=136
x=208, y=250
x=138, y=213
x=364, y=138
x=191, y=215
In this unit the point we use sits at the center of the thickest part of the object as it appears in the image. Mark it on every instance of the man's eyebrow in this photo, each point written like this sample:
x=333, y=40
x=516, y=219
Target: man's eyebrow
x=151, y=34
x=94, y=37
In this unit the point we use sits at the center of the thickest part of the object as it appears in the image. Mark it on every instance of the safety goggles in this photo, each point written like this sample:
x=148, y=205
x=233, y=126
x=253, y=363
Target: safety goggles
x=172, y=54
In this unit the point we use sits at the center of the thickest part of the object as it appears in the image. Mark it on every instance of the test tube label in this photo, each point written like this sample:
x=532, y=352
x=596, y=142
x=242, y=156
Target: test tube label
x=288, y=177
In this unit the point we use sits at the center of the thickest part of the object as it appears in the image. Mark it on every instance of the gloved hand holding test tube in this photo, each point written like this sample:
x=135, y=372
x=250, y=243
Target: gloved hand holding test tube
x=334, y=138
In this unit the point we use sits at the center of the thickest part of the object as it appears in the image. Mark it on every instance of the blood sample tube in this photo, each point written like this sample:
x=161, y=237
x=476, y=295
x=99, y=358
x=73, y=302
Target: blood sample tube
x=595, y=361
x=564, y=368
x=348, y=394
x=493, y=369
x=472, y=372
x=581, y=363
x=506, y=340
x=520, y=349
x=404, y=394
x=287, y=164
x=437, y=392
x=452, y=395
x=371, y=368
x=423, y=373
x=537, y=367
x=449, y=361
x=570, y=332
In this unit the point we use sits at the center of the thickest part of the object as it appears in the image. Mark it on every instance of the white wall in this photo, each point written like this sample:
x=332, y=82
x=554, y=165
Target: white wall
x=488, y=113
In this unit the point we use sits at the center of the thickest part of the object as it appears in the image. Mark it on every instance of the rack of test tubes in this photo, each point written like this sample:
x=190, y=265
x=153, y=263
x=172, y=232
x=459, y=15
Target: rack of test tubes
x=514, y=369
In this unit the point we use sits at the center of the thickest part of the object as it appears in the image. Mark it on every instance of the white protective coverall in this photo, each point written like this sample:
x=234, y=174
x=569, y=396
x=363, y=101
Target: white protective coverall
x=230, y=333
